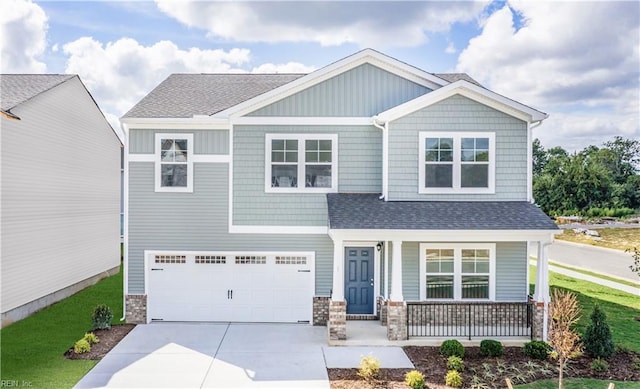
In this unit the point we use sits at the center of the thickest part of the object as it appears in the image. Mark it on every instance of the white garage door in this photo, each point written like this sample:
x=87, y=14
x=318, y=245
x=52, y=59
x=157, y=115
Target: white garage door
x=249, y=287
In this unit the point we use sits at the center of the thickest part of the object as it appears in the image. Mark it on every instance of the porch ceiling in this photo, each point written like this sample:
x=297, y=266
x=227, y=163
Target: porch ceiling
x=349, y=211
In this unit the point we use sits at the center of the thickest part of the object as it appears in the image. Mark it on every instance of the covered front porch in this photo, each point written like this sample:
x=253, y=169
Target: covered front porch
x=434, y=275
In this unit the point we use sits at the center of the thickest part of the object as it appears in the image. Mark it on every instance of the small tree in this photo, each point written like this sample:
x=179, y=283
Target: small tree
x=597, y=339
x=564, y=313
x=635, y=266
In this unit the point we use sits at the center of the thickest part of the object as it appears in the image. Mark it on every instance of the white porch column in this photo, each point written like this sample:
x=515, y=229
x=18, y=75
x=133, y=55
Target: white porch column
x=386, y=269
x=396, y=272
x=541, y=293
x=338, y=271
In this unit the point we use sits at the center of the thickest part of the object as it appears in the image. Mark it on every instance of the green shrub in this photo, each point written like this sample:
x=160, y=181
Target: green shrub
x=635, y=363
x=452, y=347
x=453, y=379
x=91, y=338
x=599, y=365
x=537, y=349
x=81, y=347
x=491, y=348
x=101, y=318
x=369, y=368
x=597, y=338
x=455, y=363
x=414, y=379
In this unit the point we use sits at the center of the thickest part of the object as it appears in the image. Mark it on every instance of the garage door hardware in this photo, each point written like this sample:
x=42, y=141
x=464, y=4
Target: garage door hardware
x=304, y=271
x=156, y=269
x=230, y=294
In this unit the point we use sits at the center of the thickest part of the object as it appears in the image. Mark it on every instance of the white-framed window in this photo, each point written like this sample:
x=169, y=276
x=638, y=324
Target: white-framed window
x=301, y=163
x=174, y=162
x=457, y=271
x=456, y=162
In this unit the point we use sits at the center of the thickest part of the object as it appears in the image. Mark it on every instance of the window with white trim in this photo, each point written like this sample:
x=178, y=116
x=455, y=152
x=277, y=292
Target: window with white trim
x=174, y=162
x=457, y=162
x=464, y=271
x=301, y=163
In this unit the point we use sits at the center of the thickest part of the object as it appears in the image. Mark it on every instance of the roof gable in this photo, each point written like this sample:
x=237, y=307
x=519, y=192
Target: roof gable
x=15, y=89
x=369, y=56
x=471, y=91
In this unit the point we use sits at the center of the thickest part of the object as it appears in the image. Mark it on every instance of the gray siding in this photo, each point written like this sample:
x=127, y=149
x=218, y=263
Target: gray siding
x=363, y=91
x=60, y=195
x=199, y=221
x=411, y=271
x=205, y=141
x=458, y=113
x=511, y=271
x=359, y=170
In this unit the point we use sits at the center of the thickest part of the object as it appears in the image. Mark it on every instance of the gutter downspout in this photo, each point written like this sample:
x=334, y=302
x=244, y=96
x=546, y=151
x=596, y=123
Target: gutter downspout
x=385, y=155
x=125, y=201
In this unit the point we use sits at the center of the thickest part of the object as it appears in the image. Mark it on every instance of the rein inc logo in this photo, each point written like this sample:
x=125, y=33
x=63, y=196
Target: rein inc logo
x=14, y=384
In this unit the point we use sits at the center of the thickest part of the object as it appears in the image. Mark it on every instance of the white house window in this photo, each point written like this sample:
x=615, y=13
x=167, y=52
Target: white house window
x=174, y=165
x=301, y=163
x=457, y=162
x=464, y=271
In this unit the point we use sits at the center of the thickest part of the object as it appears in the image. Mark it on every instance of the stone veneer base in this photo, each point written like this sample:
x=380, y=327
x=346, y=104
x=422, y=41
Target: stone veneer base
x=397, y=320
x=136, y=310
x=337, y=324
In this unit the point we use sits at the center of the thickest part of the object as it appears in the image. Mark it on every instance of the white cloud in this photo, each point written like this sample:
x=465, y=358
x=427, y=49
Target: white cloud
x=23, y=29
x=451, y=48
x=366, y=24
x=120, y=73
x=289, y=67
x=579, y=63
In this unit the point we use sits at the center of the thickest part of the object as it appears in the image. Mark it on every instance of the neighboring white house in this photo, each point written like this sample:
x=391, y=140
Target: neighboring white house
x=60, y=196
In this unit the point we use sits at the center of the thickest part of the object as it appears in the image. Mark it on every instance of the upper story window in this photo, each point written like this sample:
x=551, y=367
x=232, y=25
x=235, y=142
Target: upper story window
x=174, y=162
x=301, y=163
x=462, y=162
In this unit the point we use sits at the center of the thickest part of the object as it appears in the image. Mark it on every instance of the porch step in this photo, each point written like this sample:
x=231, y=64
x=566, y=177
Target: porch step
x=361, y=317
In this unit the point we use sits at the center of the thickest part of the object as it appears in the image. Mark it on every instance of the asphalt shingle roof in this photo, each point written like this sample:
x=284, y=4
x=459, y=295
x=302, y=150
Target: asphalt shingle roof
x=15, y=89
x=367, y=211
x=185, y=95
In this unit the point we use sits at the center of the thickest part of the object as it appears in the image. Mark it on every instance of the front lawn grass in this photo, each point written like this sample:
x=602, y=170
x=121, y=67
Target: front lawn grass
x=33, y=348
x=621, y=308
x=578, y=383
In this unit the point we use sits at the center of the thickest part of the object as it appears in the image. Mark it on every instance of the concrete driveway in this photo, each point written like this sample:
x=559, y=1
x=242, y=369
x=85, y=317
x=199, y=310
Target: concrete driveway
x=224, y=355
x=205, y=355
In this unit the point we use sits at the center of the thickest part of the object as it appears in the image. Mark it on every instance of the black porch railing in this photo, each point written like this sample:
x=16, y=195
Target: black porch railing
x=470, y=319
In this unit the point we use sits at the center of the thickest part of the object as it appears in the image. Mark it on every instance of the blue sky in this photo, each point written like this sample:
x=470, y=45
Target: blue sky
x=578, y=61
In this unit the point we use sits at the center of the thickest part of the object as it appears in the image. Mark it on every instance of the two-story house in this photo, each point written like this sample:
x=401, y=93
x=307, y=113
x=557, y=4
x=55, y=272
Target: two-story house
x=366, y=189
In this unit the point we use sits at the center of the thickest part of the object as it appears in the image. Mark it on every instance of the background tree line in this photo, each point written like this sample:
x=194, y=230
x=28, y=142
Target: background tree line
x=597, y=181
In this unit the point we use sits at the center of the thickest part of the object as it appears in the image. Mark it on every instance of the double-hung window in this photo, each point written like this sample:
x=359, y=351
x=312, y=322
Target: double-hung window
x=174, y=162
x=463, y=271
x=457, y=162
x=301, y=163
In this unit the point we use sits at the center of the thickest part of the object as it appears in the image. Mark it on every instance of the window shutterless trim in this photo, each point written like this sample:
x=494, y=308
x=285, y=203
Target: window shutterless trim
x=457, y=162
x=158, y=163
x=301, y=164
x=457, y=269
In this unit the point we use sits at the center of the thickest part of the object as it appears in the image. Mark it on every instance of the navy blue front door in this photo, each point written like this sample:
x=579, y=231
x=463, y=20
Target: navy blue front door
x=359, y=280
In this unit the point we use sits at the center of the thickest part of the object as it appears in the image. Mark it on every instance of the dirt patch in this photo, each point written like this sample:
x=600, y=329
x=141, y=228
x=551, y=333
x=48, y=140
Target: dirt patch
x=108, y=340
x=487, y=372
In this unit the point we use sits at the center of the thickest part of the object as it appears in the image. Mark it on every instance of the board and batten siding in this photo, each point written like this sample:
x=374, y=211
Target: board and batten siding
x=60, y=195
x=359, y=171
x=511, y=271
x=364, y=91
x=199, y=221
x=141, y=141
x=458, y=114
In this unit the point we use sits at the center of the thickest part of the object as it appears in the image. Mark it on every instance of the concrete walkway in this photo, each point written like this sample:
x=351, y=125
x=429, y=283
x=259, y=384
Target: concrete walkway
x=224, y=355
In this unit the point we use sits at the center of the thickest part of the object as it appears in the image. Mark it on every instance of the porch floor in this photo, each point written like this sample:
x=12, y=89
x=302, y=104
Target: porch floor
x=372, y=333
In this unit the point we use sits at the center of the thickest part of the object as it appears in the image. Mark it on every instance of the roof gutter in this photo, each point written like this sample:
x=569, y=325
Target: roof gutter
x=384, y=126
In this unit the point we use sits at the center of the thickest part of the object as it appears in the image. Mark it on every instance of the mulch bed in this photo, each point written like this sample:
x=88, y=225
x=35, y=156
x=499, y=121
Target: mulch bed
x=487, y=372
x=108, y=340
